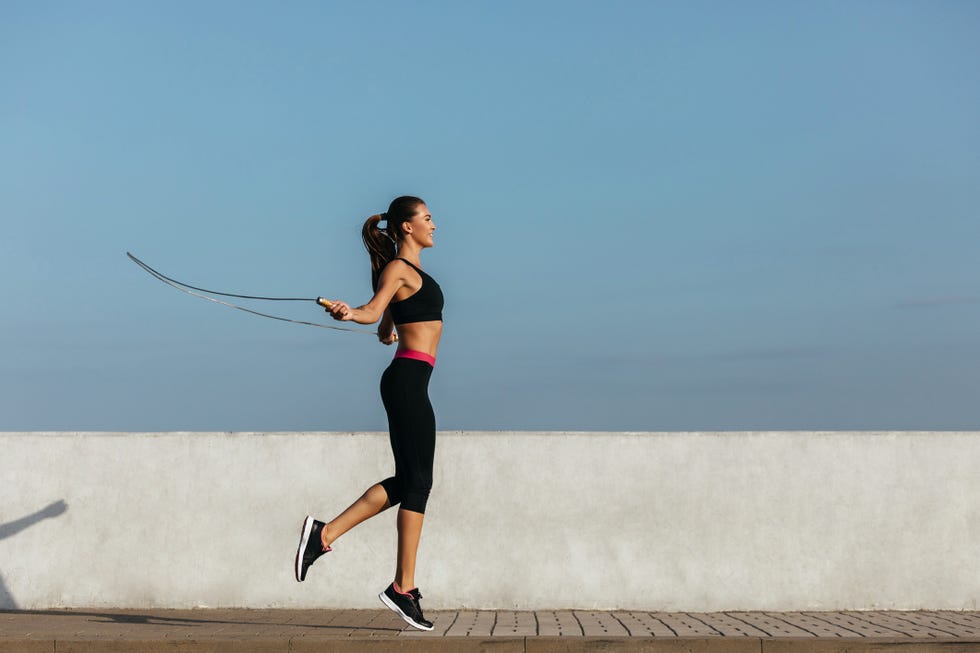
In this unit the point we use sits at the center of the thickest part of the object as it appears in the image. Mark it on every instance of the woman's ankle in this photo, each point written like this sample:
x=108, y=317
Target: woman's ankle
x=326, y=539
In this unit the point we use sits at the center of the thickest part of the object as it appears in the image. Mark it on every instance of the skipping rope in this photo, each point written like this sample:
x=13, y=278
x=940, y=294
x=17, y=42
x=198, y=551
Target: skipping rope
x=189, y=289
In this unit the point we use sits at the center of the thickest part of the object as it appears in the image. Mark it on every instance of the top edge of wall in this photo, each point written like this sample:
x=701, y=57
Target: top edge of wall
x=478, y=433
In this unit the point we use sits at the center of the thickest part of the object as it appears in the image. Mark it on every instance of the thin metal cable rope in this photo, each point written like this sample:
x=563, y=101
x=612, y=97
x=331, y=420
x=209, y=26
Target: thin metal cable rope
x=163, y=277
x=184, y=288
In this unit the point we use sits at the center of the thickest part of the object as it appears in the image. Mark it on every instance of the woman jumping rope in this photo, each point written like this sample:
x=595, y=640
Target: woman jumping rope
x=409, y=300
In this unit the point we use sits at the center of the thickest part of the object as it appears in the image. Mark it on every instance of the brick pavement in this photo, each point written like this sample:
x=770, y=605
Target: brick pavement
x=98, y=630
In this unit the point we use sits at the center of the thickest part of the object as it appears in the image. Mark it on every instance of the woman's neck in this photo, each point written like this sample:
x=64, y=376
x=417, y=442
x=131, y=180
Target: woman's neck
x=410, y=254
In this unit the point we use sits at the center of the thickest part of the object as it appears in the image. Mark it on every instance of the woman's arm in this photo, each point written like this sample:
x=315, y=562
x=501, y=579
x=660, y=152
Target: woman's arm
x=391, y=280
x=386, y=333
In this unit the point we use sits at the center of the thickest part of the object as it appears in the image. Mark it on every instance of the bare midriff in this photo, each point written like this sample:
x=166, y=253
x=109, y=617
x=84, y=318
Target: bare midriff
x=420, y=336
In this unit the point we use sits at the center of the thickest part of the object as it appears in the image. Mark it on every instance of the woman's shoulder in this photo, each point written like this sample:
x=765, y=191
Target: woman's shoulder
x=395, y=264
x=400, y=269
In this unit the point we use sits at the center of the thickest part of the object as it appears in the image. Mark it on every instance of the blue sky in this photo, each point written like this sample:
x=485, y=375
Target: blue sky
x=651, y=215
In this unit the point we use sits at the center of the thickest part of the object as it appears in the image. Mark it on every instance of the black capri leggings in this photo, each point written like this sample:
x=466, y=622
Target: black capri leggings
x=412, y=425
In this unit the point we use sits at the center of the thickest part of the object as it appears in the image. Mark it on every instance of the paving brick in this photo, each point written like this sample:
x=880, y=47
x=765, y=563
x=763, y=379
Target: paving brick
x=514, y=624
x=643, y=624
x=967, y=618
x=600, y=624
x=913, y=624
x=967, y=627
x=799, y=624
x=886, y=624
x=738, y=624
x=478, y=623
x=683, y=624
x=558, y=623
x=641, y=645
x=405, y=645
x=771, y=625
x=857, y=625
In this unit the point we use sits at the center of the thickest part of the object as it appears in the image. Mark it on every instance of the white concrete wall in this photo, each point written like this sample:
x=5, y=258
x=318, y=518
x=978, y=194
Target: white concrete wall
x=660, y=521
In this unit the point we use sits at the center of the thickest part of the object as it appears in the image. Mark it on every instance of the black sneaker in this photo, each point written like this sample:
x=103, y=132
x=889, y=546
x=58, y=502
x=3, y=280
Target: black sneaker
x=406, y=606
x=310, y=546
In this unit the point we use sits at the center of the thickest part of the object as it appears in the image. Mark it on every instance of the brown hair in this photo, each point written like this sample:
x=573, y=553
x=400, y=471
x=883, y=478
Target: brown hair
x=381, y=243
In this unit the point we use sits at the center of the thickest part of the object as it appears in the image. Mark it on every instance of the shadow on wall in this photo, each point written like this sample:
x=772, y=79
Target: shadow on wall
x=10, y=529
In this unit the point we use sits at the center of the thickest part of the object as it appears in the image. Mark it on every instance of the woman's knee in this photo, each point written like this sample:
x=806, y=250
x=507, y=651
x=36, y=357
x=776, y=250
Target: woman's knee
x=415, y=499
x=393, y=488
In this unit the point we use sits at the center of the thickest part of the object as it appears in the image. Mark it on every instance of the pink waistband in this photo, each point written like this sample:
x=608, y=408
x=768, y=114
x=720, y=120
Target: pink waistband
x=416, y=355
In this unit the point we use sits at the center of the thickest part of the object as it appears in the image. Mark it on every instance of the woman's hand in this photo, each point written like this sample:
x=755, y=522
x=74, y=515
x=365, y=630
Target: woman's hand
x=390, y=339
x=340, y=311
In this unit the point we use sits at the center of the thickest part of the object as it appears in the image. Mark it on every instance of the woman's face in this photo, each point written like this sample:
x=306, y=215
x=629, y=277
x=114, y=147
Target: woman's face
x=421, y=227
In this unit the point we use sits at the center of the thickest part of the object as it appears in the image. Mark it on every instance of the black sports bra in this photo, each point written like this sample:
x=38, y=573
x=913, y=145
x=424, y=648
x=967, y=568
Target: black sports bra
x=424, y=305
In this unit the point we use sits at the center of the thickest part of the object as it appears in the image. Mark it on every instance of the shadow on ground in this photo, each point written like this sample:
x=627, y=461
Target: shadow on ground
x=130, y=618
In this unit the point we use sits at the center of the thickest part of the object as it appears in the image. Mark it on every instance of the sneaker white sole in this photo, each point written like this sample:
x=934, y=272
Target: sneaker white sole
x=304, y=539
x=394, y=608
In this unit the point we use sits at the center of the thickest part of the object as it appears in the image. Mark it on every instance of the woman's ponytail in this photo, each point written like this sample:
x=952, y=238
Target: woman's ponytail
x=382, y=244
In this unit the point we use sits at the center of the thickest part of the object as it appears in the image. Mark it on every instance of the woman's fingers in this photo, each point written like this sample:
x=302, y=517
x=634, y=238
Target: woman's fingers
x=339, y=310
